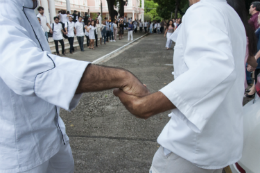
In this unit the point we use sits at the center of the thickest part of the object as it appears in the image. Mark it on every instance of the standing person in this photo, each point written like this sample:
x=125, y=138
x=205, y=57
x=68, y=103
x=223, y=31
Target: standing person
x=57, y=35
x=141, y=26
x=168, y=32
x=108, y=29
x=75, y=16
x=121, y=29
x=115, y=29
x=86, y=16
x=95, y=33
x=87, y=24
x=162, y=27
x=253, y=21
x=158, y=27
x=99, y=18
x=80, y=33
x=190, y=142
x=35, y=84
x=99, y=28
x=112, y=32
x=71, y=30
x=91, y=30
x=44, y=22
x=135, y=26
x=104, y=32
x=145, y=26
x=130, y=31
x=151, y=27
x=63, y=17
x=254, y=12
x=155, y=27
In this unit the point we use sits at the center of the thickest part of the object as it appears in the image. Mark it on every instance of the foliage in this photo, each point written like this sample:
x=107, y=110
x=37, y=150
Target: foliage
x=167, y=7
x=150, y=10
x=148, y=17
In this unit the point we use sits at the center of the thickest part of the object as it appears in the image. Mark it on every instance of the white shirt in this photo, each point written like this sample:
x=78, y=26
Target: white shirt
x=207, y=128
x=57, y=33
x=158, y=25
x=79, y=29
x=34, y=84
x=140, y=24
x=63, y=18
x=43, y=22
x=145, y=24
x=151, y=25
x=70, y=29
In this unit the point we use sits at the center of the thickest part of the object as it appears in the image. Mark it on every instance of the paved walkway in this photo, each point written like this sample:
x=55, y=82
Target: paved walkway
x=104, y=136
x=91, y=55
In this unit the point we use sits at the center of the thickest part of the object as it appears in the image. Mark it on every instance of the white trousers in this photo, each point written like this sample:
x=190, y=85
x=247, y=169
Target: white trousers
x=173, y=163
x=62, y=162
x=169, y=41
x=130, y=34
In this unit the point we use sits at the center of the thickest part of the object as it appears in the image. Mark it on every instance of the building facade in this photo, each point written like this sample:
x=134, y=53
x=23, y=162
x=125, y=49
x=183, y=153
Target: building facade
x=134, y=8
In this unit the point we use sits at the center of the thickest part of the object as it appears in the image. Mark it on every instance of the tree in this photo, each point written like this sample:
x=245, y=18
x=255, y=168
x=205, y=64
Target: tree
x=150, y=10
x=111, y=10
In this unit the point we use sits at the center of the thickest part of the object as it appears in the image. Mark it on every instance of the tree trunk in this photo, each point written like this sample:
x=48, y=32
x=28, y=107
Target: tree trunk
x=110, y=5
x=176, y=8
x=121, y=8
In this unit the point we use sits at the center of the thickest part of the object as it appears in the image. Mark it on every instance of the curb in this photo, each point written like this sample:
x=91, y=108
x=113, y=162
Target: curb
x=115, y=51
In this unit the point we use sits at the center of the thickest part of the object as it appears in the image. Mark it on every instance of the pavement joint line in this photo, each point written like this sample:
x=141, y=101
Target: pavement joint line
x=117, y=50
x=117, y=138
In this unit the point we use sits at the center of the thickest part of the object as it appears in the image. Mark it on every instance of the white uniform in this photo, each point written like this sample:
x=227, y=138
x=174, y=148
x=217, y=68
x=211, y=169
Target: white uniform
x=34, y=84
x=206, y=129
x=70, y=28
x=57, y=33
x=79, y=29
x=92, y=32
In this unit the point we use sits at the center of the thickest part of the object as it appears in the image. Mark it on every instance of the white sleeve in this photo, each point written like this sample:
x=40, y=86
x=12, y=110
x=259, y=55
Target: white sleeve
x=198, y=92
x=28, y=71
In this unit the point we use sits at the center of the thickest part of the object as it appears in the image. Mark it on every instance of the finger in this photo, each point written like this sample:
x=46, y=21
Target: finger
x=116, y=92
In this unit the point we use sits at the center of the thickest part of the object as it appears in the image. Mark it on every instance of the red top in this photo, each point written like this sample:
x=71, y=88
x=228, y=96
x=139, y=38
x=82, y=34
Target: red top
x=254, y=21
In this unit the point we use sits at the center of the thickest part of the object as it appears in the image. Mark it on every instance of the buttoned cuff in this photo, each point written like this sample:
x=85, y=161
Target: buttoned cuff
x=194, y=117
x=59, y=84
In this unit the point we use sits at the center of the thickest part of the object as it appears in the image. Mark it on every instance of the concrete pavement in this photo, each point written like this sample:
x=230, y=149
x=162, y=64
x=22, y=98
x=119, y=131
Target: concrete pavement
x=104, y=136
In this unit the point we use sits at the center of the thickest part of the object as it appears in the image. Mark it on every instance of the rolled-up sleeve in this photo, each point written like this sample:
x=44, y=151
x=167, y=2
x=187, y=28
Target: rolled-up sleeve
x=29, y=71
x=207, y=52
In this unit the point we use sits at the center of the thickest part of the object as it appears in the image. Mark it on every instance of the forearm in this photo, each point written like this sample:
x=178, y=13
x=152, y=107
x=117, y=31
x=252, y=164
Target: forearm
x=252, y=61
x=98, y=78
x=48, y=26
x=152, y=104
x=257, y=55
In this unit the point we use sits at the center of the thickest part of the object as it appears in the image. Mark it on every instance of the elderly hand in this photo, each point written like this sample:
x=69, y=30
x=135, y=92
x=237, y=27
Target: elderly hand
x=250, y=68
x=132, y=86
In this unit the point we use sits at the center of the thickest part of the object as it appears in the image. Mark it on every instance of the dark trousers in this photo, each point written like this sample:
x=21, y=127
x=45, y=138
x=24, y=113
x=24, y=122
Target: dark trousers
x=81, y=41
x=145, y=29
x=141, y=29
x=108, y=35
x=257, y=71
x=161, y=29
x=96, y=40
x=57, y=47
x=87, y=40
x=71, y=41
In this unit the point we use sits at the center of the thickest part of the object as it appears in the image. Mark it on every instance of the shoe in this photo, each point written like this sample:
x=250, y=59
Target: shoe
x=250, y=96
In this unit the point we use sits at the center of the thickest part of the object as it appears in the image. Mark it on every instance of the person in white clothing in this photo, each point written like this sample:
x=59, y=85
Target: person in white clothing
x=71, y=33
x=141, y=26
x=57, y=31
x=151, y=27
x=44, y=23
x=145, y=26
x=41, y=24
x=158, y=27
x=80, y=33
x=35, y=84
x=91, y=30
x=168, y=32
x=205, y=130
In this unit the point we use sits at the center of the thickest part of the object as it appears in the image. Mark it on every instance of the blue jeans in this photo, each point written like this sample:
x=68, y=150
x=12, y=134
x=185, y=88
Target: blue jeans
x=111, y=34
x=248, y=77
x=104, y=36
x=46, y=35
x=81, y=41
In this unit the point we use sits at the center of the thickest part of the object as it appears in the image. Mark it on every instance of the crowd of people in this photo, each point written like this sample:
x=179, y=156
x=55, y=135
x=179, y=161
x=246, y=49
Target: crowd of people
x=96, y=31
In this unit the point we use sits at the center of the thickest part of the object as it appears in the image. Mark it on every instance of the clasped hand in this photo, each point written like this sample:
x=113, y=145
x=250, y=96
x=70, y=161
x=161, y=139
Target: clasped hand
x=130, y=95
